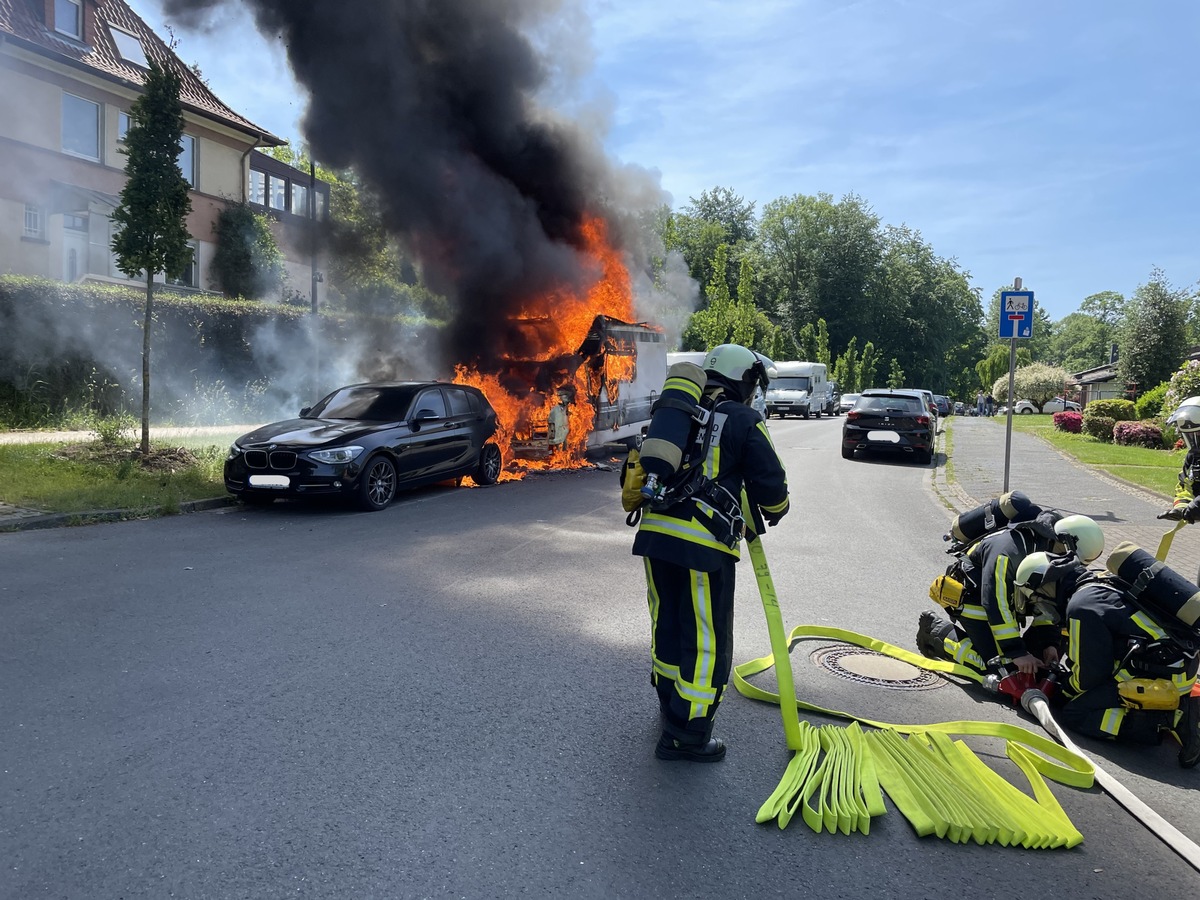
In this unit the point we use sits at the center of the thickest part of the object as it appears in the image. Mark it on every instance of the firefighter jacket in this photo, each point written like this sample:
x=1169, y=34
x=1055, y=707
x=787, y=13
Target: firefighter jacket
x=990, y=567
x=696, y=532
x=1189, y=480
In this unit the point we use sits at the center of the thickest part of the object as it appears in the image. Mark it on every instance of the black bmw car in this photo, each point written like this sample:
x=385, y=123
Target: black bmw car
x=368, y=441
x=894, y=420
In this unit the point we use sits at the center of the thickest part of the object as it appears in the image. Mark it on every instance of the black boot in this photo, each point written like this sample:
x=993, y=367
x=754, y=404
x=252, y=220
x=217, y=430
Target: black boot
x=668, y=748
x=932, y=632
x=1188, y=732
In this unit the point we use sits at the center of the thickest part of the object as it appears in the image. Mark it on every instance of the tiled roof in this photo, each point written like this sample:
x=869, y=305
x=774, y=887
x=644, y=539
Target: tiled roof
x=18, y=20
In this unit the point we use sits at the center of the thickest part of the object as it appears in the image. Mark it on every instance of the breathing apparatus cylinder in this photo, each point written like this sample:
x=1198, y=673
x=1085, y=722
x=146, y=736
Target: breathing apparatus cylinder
x=1162, y=592
x=992, y=515
x=674, y=413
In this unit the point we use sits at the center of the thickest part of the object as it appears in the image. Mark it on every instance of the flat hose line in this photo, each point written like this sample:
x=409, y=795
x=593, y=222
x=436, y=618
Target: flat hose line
x=939, y=785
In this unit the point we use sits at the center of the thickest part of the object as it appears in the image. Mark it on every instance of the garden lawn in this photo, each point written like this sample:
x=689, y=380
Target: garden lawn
x=1154, y=470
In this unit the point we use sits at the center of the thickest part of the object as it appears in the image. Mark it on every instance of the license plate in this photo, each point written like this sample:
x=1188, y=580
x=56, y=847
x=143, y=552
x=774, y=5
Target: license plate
x=890, y=436
x=270, y=481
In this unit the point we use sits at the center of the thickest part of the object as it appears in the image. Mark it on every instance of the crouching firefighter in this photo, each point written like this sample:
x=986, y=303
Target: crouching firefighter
x=1132, y=646
x=986, y=621
x=690, y=531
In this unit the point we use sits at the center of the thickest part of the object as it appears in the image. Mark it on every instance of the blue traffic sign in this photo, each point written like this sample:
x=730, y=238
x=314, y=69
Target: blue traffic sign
x=1016, y=314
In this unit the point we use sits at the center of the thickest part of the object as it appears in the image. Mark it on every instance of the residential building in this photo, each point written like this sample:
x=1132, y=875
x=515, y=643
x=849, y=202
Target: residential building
x=70, y=71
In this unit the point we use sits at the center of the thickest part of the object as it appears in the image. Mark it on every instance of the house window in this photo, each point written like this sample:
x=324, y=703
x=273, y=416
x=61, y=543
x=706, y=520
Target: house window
x=187, y=159
x=35, y=224
x=299, y=200
x=129, y=47
x=258, y=187
x=277, y=196
x=68, y=18
x=320, y=196
x=123, y=123
x=73, y=222
x=190, y=277
x=81, y=127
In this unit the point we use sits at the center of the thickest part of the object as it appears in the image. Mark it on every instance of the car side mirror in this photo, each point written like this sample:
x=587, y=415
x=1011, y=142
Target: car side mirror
x=422, y=415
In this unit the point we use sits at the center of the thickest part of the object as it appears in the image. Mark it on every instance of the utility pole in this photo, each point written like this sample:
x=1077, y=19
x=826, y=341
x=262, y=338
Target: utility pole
x=315, y=324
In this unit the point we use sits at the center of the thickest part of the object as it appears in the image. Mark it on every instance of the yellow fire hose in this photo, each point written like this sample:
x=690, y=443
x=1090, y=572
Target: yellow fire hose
x=837, y=776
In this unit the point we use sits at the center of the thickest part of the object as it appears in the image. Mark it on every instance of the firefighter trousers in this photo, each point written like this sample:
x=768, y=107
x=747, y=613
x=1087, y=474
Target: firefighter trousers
x=691, y=643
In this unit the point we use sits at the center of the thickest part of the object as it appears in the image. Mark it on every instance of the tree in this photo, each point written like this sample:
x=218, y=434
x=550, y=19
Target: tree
x=1154, y=336
x=247, y=262
x=994, y=366
x=868, y=366
x=1036, y=382
x=1106, y=307
x=1081, y=341
x=152, y=214
x=895, y=375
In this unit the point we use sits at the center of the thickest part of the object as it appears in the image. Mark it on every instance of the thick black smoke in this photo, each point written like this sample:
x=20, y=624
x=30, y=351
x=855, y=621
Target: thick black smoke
x=435, y=104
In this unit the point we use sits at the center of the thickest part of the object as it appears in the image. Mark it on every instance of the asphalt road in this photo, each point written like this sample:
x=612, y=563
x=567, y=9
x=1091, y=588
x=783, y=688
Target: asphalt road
x=450, y=699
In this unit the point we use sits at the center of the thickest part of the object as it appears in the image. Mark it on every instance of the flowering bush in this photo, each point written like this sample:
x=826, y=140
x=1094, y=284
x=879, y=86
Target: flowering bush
x=1183, y=384
x=1138, y=434
x=1099, y=427
x=1069, y=421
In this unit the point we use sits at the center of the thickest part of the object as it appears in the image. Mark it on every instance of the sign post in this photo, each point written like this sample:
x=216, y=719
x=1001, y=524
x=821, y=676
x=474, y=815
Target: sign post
x=1016, y=323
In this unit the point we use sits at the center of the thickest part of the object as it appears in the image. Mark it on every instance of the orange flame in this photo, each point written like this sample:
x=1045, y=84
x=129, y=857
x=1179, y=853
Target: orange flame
x=561, y=320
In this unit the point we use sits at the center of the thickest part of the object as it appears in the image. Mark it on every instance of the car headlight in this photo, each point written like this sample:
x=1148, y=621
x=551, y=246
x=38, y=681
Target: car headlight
x=336, y=454
x=234, y=452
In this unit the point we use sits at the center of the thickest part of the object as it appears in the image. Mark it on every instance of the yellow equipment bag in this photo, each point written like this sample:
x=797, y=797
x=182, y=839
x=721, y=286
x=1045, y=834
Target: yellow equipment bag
x=1148, y=693
x=633, y=476
x=946, y=591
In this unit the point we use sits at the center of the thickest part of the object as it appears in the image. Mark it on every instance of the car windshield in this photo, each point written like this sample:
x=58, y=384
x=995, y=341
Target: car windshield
x=892, y=402
x=791, y=382
x=371, y=403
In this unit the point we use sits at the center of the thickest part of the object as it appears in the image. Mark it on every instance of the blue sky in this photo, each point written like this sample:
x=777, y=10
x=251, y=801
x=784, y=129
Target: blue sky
x=1057, y=141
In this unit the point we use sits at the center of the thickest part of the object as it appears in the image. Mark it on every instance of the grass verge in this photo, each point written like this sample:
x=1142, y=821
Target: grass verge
x=78, y=478
x=1154, y=470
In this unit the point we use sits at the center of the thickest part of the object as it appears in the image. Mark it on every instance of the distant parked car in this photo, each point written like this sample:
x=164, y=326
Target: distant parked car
x=943, y=404
x=960, y=408
x=366, y=442
x=897, y=421
x=1059, y=404
x=847, y=402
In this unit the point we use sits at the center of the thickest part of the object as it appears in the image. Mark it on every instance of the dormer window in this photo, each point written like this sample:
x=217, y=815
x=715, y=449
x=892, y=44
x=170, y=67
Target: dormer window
x=68, y=18
x=129, y=48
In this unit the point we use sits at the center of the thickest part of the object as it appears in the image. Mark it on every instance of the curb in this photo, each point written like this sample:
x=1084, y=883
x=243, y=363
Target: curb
x=90, y=517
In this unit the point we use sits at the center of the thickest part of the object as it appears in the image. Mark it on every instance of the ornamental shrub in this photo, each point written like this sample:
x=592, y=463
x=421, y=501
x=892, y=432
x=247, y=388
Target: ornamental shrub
x=1069, y=420
x=1138, y=434
x=1150, y=404
x=1099, y=427
x=1183, y=384
x=1116, y=409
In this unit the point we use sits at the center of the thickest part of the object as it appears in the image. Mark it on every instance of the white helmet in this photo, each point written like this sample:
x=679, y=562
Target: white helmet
x=1082, y=536
x=1187, y=419
x=738, y=367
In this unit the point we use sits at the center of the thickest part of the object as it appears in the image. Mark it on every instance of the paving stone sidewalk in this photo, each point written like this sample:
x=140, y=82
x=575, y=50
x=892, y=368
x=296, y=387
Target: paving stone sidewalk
x=1125, y=512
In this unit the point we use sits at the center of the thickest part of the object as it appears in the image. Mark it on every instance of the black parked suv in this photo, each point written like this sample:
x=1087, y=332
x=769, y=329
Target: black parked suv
x=366, y=442
x=894, y=420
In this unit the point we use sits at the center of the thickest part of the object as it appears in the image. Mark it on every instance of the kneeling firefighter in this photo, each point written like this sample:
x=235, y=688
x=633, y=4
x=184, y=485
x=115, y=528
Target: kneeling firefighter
x=986, y=623
x=1132, y=643
x=1186, y=502
x=690, y=532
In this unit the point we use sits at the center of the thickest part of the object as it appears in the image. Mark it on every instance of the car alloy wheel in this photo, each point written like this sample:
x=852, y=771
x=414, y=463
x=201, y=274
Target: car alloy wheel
x=377, y=487
x=490, y=464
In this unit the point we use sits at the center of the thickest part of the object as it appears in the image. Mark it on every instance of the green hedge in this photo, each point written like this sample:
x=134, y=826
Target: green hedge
x=1115, y=409
x=76, y=349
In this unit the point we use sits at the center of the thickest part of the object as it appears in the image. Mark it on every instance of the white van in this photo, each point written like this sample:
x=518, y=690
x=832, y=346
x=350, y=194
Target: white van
x=798, y=389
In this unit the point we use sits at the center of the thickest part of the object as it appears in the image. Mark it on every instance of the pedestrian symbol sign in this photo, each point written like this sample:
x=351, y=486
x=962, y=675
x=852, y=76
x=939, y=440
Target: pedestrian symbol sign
x=1016, y=314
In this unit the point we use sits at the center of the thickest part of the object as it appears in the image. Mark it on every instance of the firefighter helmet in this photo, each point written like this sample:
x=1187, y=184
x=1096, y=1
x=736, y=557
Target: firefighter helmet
x=1187, y=419
x=738, y=368
x=1082, y=536
x=1033, y=571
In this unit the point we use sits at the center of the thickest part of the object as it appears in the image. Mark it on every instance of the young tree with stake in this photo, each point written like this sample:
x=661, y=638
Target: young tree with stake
x=153, y=235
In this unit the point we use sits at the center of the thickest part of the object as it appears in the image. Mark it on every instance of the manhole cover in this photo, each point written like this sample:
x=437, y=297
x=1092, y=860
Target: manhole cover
x=868, y=667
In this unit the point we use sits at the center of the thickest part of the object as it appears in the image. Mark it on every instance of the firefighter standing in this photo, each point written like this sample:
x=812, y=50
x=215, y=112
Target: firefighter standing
x=1186, y=505
x=690, y=547
x=1127, y=679
x=988, y=623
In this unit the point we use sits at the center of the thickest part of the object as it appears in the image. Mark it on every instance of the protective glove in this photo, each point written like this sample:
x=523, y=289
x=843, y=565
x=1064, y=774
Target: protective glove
x=1175, y=513
x=1191, y=512
x=772, y=519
